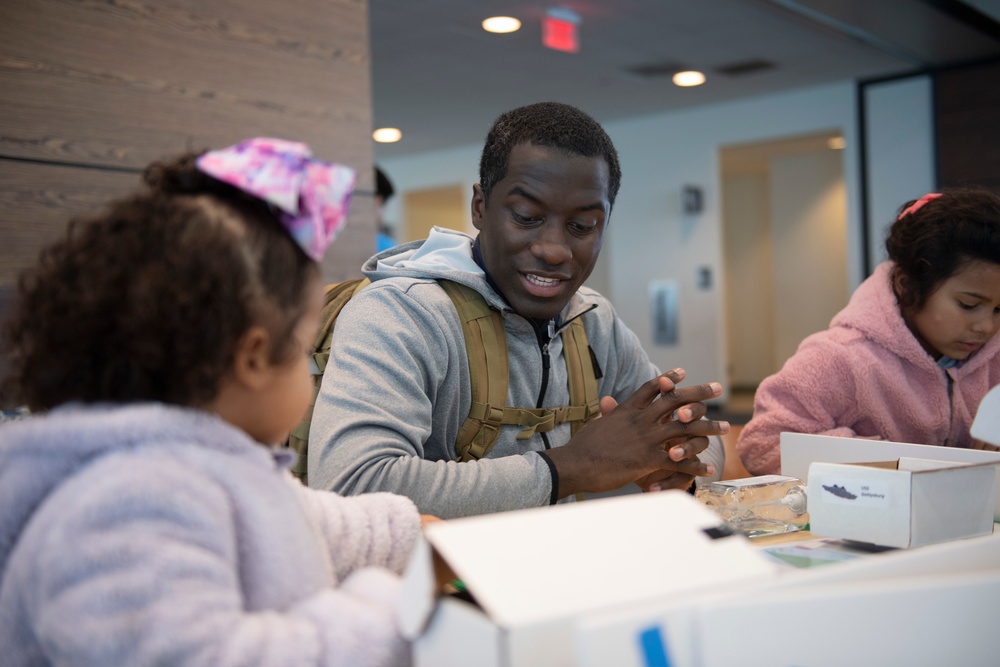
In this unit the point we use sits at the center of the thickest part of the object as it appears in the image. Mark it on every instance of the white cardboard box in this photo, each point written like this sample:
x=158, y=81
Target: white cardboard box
x=536, y=574
x=799, y=450
x=945, y=619
x=903, y=503
x=936, y=605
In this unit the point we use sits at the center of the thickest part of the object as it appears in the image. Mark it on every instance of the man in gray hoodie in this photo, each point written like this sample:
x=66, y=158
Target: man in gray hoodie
x=397, y=390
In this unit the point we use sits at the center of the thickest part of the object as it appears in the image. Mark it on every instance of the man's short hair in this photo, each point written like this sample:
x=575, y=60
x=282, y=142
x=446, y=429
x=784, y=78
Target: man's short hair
x=550, y=124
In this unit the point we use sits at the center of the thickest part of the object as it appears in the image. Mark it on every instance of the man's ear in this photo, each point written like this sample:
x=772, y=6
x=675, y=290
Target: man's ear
x=478, y=204
x=252, y=358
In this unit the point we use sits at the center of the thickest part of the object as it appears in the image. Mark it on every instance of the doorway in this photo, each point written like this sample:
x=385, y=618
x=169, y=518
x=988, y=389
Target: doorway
x=445, y=206
x=784, y=229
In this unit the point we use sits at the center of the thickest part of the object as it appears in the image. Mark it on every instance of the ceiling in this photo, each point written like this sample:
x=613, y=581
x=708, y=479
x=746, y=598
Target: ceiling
x=442, y=80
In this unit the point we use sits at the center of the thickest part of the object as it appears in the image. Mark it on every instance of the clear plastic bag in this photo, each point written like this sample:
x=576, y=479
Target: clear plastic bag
x=758, y=505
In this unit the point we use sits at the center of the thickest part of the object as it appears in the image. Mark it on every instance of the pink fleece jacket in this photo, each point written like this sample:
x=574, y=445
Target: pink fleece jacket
x=868, y=377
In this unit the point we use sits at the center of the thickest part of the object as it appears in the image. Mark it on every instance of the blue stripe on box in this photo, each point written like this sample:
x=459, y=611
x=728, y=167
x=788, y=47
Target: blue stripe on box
x=653, y=647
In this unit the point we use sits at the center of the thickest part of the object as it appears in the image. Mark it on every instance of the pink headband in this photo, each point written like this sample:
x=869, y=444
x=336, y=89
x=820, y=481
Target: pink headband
x=917, y=205
x=312, y=195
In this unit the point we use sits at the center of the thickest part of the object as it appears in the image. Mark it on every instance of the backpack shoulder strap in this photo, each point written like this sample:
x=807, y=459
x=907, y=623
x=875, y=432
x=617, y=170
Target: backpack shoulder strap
x=486, y=346
x=584, y=405
x=335, y=297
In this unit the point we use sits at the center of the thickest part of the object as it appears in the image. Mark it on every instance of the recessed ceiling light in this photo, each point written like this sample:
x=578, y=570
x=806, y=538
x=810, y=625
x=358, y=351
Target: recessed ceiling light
x=835, y=143
x=501, y=24
x=387, y=135
x=690, y=78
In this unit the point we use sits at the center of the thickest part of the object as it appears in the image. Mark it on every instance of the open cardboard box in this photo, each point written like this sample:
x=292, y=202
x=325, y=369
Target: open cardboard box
x=536, y=574
x=799, y=450
x=885, y=609
x=903, y=503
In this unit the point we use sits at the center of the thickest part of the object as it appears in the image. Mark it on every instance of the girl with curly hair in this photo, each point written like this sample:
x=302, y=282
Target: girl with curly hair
x=913, y=353
x=161, y=348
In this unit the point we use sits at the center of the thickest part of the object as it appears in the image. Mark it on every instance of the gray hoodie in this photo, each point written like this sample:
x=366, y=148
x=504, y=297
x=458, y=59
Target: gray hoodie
x=147, y=534
x=396, y=389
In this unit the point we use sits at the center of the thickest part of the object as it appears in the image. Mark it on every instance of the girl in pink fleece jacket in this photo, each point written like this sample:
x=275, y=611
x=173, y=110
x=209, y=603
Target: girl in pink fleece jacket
x=913, y=353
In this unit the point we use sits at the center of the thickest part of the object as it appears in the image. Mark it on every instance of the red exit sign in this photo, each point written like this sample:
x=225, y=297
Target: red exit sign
x=559, y=30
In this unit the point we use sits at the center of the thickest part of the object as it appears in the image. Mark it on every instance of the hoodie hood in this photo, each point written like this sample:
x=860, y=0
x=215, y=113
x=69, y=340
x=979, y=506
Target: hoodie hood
x=444, y=255
x=38, y=453
x=447, y=255
x=874, y=312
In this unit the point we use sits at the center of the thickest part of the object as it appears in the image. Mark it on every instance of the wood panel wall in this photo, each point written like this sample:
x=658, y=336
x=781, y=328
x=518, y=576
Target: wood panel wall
x=967, y=126
x=93, y=90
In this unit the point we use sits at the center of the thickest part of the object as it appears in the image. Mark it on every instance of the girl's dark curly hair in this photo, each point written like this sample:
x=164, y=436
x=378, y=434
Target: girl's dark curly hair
x=931, y=244
x=147, y=300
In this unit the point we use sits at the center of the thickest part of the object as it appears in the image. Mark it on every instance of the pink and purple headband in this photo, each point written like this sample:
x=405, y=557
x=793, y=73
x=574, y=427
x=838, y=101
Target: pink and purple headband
x=312, y=196
x=919, y=204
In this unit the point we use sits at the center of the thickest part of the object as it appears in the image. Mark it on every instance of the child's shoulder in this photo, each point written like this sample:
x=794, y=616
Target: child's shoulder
x=143, y=478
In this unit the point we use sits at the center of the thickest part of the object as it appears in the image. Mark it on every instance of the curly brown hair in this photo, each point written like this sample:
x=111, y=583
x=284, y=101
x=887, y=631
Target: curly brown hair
x=147, y=300
x=933, y=243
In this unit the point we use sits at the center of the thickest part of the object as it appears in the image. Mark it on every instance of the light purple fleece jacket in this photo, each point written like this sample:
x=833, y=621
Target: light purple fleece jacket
x=867, y=376
x=148, y=534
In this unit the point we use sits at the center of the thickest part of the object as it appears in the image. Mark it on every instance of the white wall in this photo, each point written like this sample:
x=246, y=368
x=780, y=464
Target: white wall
x=900, y=151
x=649, y=239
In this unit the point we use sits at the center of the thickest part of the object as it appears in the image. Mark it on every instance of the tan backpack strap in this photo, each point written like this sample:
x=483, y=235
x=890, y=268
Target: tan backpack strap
x=582, y=380
x=335, y=297
x=582, y=384
x=541, y=420
x=486, y=346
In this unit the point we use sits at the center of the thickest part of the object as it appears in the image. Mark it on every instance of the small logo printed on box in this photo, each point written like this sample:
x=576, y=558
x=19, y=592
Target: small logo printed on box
x=839, y=491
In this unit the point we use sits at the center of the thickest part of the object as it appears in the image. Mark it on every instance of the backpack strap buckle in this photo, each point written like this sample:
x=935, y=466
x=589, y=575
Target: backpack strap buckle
x=540, y=421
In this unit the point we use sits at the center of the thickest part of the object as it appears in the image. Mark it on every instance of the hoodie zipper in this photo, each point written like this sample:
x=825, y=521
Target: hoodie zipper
x=544, y=345
x=546, y=359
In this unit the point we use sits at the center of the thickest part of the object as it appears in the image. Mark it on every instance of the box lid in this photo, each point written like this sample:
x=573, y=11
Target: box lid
x=911, y=465
x=799, y=450
x=555, y=562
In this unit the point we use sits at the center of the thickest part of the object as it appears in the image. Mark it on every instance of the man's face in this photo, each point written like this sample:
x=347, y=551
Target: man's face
x=543, y=228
